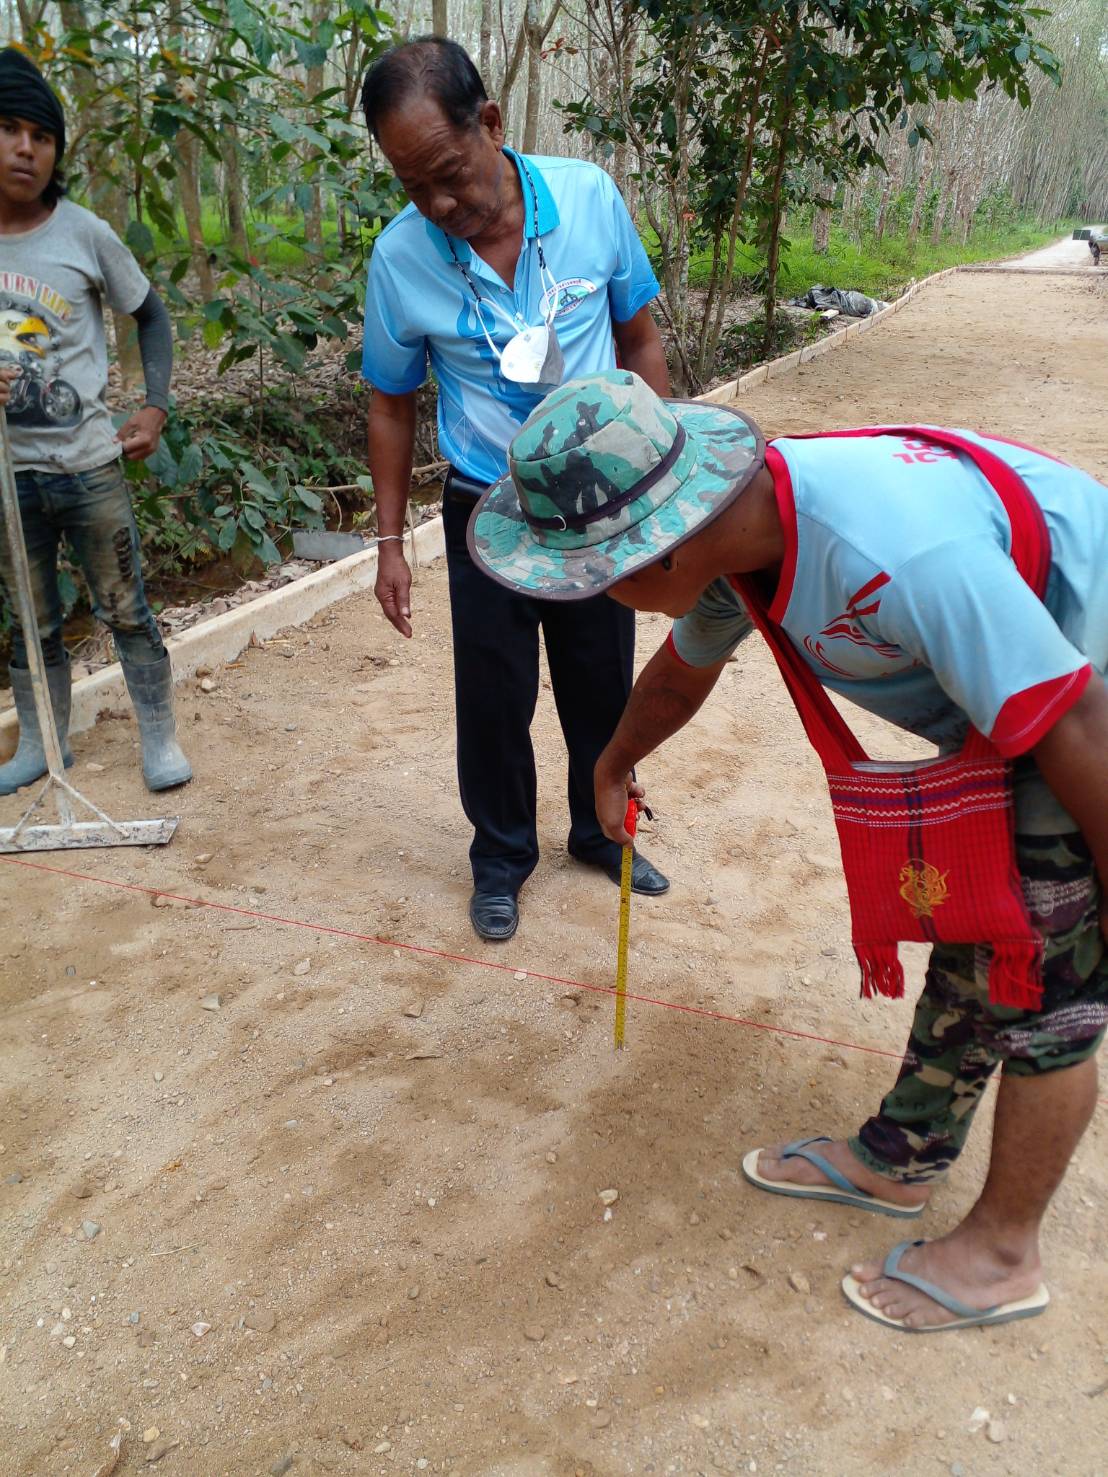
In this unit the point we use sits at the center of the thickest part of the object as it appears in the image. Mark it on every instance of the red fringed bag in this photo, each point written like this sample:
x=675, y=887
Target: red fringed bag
x=928, y=848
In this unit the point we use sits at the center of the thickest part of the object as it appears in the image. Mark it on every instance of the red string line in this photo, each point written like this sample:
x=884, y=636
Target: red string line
x=372, y=938
x=534, y=974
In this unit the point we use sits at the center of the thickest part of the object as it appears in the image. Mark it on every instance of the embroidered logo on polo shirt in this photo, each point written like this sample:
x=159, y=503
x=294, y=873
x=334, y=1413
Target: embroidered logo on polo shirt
x=572, y=292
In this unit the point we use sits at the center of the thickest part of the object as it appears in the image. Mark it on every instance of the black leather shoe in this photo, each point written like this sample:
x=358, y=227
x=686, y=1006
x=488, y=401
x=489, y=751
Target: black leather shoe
x=495, y=916
x=645, y=877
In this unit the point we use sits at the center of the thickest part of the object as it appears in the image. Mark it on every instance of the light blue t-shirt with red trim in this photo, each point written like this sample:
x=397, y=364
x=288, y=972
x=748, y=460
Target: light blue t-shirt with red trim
x=898, y=587
x=420, y=310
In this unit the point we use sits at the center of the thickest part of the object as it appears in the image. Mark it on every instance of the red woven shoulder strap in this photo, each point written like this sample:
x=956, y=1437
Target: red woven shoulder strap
x=826, y=729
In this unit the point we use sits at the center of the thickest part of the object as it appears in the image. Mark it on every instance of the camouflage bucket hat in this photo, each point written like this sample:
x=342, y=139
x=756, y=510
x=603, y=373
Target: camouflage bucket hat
x=605, y=478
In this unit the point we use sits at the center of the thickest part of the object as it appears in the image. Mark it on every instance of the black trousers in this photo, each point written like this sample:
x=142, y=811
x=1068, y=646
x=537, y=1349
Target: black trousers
x=590, y=647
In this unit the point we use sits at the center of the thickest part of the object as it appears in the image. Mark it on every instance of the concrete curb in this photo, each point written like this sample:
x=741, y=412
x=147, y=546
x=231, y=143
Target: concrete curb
x=1002, y=268
x=226, y=636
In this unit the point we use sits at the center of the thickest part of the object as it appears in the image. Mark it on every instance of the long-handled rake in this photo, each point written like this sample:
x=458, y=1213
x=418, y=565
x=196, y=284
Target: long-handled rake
x=68, y=832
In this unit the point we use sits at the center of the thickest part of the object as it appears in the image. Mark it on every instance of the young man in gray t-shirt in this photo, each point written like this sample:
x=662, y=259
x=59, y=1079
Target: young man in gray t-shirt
x=59, y=266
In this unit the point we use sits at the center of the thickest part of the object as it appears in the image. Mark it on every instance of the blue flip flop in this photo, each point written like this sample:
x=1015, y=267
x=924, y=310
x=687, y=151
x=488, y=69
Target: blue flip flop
x=841, y=1190
x=964, y=1315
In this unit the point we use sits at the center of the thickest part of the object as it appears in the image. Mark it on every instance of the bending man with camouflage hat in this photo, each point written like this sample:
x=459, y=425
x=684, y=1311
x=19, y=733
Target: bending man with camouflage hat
x=961, y=598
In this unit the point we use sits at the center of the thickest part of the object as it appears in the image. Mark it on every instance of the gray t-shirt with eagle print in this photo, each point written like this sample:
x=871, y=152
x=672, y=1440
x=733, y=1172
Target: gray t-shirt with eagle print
x=55, y=281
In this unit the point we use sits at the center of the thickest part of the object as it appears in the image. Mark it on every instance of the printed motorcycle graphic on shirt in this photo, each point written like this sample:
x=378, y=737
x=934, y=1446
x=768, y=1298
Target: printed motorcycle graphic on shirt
x=30, y=342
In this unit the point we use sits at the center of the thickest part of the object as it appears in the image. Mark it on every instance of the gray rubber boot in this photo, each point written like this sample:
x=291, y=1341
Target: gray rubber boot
x=28, y=763
x=151, y=687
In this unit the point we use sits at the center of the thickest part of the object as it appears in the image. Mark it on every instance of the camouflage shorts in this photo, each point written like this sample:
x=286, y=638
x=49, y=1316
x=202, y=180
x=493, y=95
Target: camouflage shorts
x=958, y=1038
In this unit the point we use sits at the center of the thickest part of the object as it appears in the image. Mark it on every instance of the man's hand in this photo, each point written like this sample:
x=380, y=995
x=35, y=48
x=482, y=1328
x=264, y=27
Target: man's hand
x=8, y=378
x=394, y=586
x=139, y=436
x=611, y=792
x=392, y=422
x=663, y=700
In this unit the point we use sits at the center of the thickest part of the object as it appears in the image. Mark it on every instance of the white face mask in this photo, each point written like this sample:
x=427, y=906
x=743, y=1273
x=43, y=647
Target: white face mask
x=534, y=358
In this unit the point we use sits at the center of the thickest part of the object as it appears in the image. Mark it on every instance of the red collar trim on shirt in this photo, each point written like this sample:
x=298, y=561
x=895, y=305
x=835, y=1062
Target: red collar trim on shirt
x=786, y=508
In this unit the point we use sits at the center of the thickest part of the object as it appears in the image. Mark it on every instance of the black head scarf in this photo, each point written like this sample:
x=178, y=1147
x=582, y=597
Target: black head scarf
x=25, y=93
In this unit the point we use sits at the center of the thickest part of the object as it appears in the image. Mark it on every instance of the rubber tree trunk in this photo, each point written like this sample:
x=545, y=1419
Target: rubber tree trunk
x=821, y=231
x=919, y=202
x=232, y=186
x=313, y=83
x=113, y=207
x=484, y=52
x=533, y=31
x=883, y=210
x=675, y=256
x=853, y=199
x=942, y=205
x=535, y=37
x=188, y=185
x=621, y=158
x=512, y=64
x=773, y=256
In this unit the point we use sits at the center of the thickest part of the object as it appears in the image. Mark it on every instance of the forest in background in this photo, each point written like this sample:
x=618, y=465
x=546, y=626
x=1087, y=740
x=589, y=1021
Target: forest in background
x=761, y=144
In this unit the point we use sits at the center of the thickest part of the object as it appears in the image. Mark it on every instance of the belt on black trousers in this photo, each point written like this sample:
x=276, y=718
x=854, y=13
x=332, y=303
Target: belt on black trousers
x=462, y=489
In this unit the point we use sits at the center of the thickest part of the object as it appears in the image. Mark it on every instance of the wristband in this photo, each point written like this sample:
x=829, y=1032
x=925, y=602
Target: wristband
x=383, y=538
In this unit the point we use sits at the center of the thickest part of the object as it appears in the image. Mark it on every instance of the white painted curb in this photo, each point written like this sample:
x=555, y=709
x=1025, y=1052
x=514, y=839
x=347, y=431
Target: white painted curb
x=226, y=636
x=1060, y=271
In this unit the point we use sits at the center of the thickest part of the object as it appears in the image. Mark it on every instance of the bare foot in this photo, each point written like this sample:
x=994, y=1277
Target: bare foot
x=964, y=1264
x=798, y=1171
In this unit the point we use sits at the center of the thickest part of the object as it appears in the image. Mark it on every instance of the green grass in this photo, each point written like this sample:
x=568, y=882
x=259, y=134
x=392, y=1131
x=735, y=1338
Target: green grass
x=879, y=268
x=277, y=254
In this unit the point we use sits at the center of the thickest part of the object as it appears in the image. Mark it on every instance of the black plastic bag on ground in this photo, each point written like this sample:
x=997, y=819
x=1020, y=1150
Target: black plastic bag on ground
x=854, y=304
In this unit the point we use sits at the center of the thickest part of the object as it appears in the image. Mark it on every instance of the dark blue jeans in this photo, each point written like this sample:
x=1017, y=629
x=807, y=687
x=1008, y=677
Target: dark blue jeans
x=92, y=511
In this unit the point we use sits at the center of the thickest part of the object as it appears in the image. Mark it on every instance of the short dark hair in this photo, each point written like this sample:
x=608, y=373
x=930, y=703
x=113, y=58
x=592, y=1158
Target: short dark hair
x=429, y=66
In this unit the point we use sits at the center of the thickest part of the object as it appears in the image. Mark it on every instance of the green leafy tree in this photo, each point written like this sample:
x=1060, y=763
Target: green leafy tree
x=732, y=104
x=170, y=93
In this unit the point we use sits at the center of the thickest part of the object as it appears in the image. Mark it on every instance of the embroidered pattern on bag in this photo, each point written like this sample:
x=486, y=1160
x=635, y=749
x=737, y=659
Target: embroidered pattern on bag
x=923, y=887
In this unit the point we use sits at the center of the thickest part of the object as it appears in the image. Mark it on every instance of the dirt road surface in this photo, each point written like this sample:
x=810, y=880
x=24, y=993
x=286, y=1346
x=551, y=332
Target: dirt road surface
x=351, y=1222
x=1067, y=253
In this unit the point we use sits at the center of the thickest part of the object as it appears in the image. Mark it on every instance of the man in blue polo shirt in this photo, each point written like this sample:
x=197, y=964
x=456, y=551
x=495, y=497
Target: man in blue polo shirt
x=504, y=275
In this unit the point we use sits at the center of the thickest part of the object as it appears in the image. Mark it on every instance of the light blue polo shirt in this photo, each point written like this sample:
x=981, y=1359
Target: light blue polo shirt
x=420, y=309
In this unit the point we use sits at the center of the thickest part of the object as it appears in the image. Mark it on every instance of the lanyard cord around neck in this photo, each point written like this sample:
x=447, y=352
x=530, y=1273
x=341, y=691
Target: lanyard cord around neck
x=544, y=270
